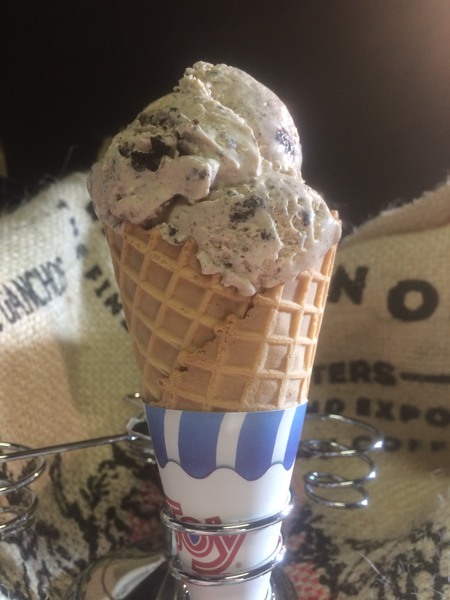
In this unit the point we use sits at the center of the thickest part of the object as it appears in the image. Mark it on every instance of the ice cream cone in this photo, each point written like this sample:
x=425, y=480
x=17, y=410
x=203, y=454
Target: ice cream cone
x=203, y=346
x=225, y=359
x=225, y=379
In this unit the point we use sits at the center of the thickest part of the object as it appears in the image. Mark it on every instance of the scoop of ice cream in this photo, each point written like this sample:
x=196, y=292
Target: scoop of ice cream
x=256, y=234
x=215, y=129
x=272, y=125
x=218, y=160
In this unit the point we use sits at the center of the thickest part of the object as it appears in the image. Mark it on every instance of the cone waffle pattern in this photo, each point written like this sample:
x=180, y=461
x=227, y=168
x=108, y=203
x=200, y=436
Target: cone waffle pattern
x=203, y=346
x=169, y=304
x=262, y=361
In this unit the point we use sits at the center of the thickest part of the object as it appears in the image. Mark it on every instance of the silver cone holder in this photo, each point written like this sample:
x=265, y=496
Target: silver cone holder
x=279, y=586
x=150, y=571
x=204, y=559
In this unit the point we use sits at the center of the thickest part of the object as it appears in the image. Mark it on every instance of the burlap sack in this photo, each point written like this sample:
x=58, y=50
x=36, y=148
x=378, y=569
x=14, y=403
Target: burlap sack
x=383, y=357
x=66, y=364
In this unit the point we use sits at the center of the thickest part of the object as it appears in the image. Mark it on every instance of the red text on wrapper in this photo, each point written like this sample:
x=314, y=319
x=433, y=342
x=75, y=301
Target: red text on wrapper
x=211, y=554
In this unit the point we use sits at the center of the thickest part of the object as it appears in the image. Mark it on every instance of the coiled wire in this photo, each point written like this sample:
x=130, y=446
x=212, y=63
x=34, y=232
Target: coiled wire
x=20, y=466
x=18, y=502
x=316, y=482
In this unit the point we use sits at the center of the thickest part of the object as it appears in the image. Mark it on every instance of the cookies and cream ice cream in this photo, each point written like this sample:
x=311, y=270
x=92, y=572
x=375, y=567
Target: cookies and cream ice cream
x=218, y=160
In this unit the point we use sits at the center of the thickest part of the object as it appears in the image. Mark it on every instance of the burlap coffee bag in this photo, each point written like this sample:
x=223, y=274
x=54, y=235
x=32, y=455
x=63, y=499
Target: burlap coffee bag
x=384, y=358
x=65, y=365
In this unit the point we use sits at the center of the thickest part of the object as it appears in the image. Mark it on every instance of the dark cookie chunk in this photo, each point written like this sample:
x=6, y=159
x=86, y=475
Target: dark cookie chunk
x=283, y=138
x=199, y=174
x=172, y=230
x=306, y=217
x=144, y=160
x=125, y=150
x=246, y=209
x=150, y=160
x=146, y=119
x=266, y=235
x=160, y=118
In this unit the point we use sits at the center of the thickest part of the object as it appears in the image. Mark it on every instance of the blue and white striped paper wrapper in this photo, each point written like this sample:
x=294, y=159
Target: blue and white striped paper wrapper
x=248, y=452
x=226, y=468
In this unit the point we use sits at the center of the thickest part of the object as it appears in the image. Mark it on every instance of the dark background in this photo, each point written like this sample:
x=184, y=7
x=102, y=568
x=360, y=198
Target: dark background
x=367, y=81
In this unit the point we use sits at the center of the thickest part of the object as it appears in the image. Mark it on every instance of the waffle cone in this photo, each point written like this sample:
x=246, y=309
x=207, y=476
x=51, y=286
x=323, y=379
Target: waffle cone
x=202, y=346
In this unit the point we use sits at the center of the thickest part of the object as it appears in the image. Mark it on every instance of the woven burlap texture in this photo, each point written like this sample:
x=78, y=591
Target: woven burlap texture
x=65, y=352
x=384, y=357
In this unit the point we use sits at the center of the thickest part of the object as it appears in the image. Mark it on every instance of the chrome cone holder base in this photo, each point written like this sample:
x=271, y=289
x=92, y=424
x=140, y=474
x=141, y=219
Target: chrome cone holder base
x=133, y=573
x=141, y=573
x=150, y=570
